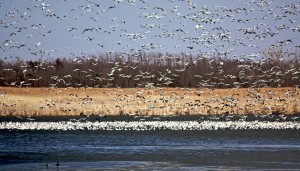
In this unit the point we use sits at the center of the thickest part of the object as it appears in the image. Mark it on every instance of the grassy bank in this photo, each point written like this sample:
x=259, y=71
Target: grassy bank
x=147, y=101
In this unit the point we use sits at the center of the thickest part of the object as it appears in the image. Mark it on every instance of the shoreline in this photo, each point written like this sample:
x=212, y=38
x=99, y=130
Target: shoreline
x=137, y=118
x=147, y=101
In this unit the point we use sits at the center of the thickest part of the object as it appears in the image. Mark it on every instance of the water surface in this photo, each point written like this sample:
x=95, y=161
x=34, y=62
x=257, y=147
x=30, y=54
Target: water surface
x=152, y=150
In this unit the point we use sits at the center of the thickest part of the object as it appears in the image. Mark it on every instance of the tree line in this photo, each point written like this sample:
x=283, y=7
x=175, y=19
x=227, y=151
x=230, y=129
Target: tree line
x=141, y=69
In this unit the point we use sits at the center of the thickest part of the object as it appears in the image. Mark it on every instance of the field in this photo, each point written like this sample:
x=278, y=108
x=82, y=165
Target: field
x=147, y=101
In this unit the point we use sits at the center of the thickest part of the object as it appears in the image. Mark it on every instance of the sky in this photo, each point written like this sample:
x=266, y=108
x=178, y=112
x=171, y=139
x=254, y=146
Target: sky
x=48, y=29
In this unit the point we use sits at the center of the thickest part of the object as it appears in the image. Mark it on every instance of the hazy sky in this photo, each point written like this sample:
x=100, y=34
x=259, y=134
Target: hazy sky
x=31, y=29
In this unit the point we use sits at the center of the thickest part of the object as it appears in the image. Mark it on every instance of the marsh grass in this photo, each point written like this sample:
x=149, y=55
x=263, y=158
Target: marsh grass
x=147, y=101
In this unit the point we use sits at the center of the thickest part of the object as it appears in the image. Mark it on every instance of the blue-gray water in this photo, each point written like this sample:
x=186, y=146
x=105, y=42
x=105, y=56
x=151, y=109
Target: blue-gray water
x=150, y=150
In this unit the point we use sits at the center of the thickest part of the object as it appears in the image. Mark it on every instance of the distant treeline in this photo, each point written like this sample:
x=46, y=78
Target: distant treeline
x=141, y=69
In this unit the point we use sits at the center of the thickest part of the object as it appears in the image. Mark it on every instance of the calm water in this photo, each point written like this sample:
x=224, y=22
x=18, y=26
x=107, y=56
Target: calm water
x=150, y=150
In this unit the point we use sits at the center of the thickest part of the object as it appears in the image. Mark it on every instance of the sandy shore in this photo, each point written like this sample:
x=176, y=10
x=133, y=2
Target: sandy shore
x=147, y=101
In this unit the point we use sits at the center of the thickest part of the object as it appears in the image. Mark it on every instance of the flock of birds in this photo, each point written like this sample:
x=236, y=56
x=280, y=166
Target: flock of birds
x=196, y=28
x=148, y=125
x=248, y=32
x=95, y=105
x=251, y=32
x=254, y=31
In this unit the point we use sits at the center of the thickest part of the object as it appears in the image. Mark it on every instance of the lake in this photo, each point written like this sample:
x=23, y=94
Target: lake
x=148, y=149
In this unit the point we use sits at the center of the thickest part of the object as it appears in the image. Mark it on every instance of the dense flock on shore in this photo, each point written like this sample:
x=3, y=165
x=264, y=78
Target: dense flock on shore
x=148, y=125
x=151, y=123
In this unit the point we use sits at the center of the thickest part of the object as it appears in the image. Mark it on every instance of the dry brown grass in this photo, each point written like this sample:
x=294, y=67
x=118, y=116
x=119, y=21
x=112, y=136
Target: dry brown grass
x=147, y=101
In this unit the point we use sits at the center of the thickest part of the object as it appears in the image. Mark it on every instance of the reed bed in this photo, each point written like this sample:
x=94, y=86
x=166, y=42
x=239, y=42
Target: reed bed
x=147, y=101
